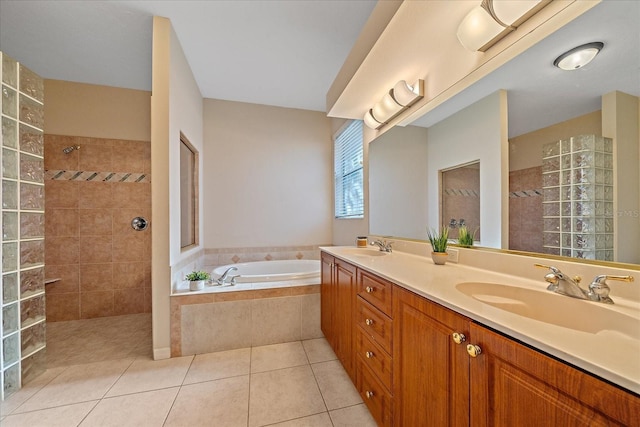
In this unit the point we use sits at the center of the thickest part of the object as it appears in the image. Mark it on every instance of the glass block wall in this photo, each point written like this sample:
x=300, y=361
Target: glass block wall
x=22, y=343
x=577, y=184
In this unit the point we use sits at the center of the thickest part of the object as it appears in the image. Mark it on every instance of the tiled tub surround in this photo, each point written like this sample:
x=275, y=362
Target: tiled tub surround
x=229, y=320
x=22, y=337
x=93, y=193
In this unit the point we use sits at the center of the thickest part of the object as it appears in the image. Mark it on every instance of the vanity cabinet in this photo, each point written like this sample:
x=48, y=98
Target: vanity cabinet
x=410, y=361
x=497, y=382
x=374, y=346
x=430, y=371
x=337, y=299
x=512, y=384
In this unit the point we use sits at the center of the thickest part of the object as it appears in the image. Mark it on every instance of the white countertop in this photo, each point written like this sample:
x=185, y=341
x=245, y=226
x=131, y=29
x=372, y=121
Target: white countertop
x=609, y=355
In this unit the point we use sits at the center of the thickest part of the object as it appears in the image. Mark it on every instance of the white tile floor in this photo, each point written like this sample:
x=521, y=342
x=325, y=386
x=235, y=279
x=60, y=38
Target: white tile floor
x=292, y=384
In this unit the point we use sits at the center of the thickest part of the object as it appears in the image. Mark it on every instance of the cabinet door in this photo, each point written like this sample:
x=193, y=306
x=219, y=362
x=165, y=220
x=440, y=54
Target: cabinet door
x=430, y=371
x=326, y=296
x=343, y=327
x=514, y=385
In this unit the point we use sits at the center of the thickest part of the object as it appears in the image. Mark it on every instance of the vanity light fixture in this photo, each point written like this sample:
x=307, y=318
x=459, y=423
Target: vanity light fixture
x=578, y=57
x=490, y=21
x=397, y=100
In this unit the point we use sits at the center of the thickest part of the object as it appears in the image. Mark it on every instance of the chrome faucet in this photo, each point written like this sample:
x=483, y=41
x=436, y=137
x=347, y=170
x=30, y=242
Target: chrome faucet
x=223, y=279
x=598, y=291
x=383, y=245
x=562, y=284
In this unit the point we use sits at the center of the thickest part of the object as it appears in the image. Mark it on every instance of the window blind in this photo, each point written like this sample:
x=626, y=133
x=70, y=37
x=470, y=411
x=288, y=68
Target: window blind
x=349, y=189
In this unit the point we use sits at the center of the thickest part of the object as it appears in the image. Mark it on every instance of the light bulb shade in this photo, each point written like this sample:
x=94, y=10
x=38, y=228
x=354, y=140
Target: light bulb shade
x=407, y=95
x=514, y=12
x=578, y=57
x=386, y=109
x=371, y=121
x=478, y=29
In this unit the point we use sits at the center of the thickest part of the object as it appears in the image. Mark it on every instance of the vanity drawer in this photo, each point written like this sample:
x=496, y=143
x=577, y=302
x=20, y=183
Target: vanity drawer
x=374, y=323
x=374, y=394
x=376, y=291
x=374, y=357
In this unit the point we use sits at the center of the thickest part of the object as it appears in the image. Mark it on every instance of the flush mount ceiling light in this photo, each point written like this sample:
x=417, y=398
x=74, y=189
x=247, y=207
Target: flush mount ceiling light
x=398, y=99
x=490, y=21
x=578, y=57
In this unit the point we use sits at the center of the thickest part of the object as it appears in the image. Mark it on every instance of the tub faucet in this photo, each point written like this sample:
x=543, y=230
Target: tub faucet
x=222, y=279
x=383, y=245
x=562, y=284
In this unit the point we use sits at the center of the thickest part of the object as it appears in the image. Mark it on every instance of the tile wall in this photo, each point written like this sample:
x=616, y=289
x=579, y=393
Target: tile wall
x=525, y=210
x=22, y=337
x=461, y=199
x=102, y=263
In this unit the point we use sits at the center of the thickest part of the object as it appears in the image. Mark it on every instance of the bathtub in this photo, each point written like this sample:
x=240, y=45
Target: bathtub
x=272, y=302
x=262, y=275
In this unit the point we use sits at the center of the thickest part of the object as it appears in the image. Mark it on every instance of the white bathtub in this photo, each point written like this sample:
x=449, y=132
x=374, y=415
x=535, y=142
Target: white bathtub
x=262, y=275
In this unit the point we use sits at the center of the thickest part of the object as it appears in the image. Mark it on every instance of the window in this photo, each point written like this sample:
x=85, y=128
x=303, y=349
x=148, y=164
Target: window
x=349, y=191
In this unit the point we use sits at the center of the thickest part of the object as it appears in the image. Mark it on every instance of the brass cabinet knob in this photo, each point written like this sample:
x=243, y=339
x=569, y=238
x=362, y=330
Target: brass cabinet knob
x=369, y=394
x=368, y=354
x=369, y=322
x=458, y=338
x=473, y=350
x=369, y=289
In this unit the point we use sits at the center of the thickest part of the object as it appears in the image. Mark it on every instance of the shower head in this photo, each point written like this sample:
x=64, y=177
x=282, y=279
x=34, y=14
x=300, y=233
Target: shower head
x=70, y=149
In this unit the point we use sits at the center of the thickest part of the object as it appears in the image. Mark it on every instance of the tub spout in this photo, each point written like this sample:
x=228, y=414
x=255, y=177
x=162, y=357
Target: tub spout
x=222, y=279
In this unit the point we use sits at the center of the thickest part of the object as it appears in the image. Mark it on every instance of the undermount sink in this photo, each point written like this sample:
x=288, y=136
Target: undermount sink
x=364, y=252
x=545, y=306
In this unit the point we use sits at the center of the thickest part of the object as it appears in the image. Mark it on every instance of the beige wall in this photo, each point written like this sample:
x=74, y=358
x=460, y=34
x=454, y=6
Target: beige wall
x=267, y=180
x=80, y=109
x=176, y=107
x=475, y=133
x=525, y=151
x=620, y=122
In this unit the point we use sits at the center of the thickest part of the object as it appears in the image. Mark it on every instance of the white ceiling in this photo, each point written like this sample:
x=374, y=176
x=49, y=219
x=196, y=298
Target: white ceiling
x=283, y=53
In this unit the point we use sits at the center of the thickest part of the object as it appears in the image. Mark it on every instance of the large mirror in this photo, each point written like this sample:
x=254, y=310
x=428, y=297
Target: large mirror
x=545, y=105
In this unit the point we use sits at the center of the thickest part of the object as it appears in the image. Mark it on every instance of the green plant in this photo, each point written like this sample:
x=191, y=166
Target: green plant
x=465, y=238
x=198, y=275
x=439, y=240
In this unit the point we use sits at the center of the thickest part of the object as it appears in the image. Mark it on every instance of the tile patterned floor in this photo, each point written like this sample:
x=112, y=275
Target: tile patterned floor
x=297, y=384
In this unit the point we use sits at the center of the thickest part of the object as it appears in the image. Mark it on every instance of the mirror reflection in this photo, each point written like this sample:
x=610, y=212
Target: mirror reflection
x=545, y=106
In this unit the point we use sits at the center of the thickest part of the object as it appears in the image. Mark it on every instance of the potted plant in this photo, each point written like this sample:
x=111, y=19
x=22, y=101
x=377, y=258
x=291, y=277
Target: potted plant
x=439, y=241
x=465, y=239
x=196, y=280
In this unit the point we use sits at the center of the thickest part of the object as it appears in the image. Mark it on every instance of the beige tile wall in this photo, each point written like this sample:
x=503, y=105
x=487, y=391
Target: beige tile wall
x=104, y=265
x=225, y=321
x=525, y=210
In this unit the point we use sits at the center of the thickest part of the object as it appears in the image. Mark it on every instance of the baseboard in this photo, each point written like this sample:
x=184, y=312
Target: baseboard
x=161, y=353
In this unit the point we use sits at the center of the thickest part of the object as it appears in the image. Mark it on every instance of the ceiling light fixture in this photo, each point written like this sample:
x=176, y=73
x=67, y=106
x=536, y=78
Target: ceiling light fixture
x=490, y=21
x=394, y=102
x=578, y=57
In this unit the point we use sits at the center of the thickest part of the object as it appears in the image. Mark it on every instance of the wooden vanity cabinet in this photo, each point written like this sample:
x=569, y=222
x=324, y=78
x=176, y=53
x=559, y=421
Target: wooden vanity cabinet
x=430, y=371
x=410, y=371
x=337, y=299
x=512, y=384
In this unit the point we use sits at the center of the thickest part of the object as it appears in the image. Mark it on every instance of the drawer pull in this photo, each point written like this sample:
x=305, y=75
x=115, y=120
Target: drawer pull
x=369, y=289
x=473, y=350
x=458, y=338
x=369, y=354
x=369, y=394
x=369, y=322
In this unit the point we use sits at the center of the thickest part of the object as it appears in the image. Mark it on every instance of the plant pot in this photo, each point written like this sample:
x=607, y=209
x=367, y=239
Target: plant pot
x=196, y=285
x=439, y=258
